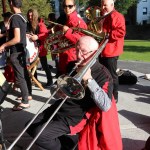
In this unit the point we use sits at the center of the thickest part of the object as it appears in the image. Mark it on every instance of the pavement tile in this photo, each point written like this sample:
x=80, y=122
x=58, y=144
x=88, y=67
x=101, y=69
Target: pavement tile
x=133, y=111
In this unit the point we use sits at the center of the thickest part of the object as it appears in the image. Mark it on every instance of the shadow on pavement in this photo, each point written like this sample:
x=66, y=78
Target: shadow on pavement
x=14, y=125
x=129, y=144
x=142, y=91
x=138, y=120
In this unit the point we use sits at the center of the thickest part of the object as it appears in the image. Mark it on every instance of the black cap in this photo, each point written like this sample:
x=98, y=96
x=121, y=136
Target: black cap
x=6, y=14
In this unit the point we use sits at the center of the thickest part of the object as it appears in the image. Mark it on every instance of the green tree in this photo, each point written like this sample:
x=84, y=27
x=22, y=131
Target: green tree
x=121, y=5
x=43, y=7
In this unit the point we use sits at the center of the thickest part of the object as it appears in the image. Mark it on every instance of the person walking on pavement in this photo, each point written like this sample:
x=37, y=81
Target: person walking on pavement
x=114, y=25
x=17, y=44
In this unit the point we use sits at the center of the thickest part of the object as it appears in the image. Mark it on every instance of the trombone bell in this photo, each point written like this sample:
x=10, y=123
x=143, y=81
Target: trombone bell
x=71, y=87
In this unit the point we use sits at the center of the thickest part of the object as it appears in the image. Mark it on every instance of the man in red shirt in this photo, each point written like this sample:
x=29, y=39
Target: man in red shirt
x=114, y=25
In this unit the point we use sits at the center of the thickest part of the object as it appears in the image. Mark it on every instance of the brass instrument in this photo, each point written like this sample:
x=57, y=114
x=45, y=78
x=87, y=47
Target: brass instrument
x=92, y=14
x=57, y=43
x=95, y=19
x=97, y=36
x=70, y=86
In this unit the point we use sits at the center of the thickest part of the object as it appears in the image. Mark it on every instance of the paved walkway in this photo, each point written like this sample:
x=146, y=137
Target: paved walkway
x=143, y=67
x=133, y=109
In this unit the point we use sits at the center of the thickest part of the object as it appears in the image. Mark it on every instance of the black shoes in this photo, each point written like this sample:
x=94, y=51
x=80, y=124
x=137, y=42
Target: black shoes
x=48, y=85
x=116, y=100
x=50, y=67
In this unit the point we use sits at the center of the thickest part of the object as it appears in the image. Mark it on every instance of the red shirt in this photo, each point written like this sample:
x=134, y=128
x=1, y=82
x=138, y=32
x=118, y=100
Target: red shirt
x=102, y=132
x=114, y=25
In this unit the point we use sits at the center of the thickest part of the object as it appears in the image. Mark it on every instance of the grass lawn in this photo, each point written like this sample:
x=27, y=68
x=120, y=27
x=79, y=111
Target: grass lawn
x=136, y=50
x=49, y=56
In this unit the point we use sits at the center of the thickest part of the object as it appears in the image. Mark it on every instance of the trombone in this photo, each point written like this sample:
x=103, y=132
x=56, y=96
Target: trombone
x=70, y=86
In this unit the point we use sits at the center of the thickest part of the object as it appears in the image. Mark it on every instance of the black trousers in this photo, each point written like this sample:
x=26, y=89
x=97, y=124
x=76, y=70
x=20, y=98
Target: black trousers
x=18, y=61
x=111, y=64
x=54, y=135
x=46, y=68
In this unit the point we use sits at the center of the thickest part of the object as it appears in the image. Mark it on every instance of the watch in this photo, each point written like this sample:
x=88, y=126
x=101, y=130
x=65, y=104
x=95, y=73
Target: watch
x=88, y=80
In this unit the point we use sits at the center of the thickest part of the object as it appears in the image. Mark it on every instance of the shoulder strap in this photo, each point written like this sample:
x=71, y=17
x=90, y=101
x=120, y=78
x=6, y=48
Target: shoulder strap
x=14, y=15
x=20, y=16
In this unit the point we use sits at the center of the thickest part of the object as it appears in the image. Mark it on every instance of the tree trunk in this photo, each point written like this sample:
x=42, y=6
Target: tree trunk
x=4, y=5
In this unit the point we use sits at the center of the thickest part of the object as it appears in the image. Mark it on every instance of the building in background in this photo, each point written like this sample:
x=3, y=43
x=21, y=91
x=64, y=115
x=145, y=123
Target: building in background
x=143, y=12
x=139, y=14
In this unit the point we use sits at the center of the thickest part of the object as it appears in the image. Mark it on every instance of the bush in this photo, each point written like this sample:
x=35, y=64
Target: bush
x=137, y=32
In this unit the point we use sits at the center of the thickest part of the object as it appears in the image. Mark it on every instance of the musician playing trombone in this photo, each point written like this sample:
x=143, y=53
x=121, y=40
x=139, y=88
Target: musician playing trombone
x=94, y=118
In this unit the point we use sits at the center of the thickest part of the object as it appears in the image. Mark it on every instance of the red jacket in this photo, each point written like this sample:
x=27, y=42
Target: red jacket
x=73, y=36
x=102, y=132
x=114, y=25
x=42, y=35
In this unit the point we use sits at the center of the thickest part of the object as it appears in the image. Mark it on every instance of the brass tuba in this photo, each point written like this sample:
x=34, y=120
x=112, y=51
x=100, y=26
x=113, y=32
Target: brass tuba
x=93, y=13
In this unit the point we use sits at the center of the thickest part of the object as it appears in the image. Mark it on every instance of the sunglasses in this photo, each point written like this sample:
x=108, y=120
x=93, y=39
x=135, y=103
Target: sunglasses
x=69, y=6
